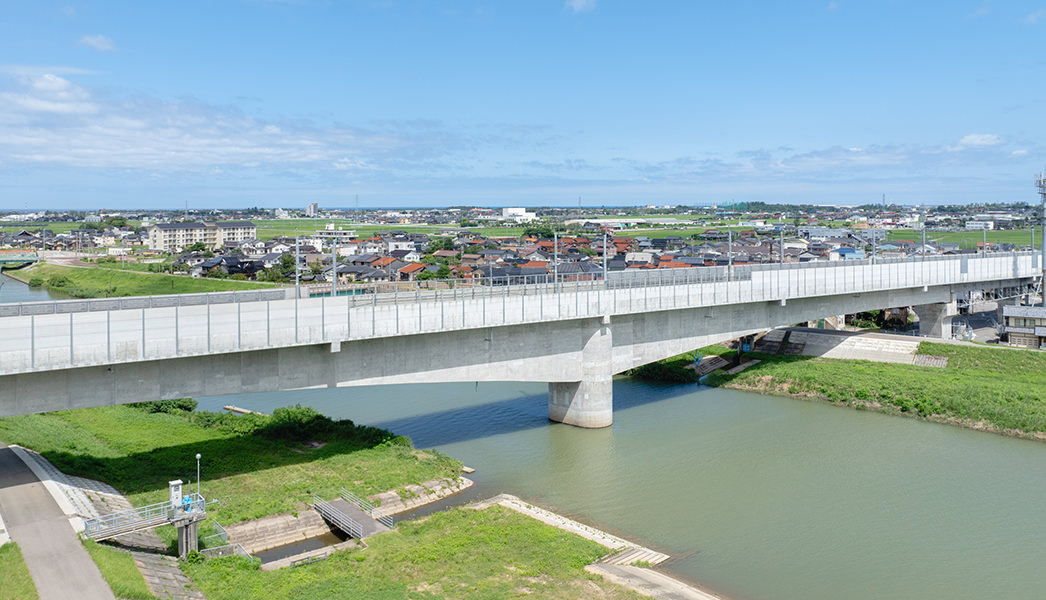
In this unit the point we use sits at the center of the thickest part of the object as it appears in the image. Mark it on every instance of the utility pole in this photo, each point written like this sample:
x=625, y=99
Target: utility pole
x=984, y=240
x=729, y=254
x=604, y=257
x=334, y=267
x=782, y=246
x=555, y=256
x=297, y=257
x=923, y=248
x=1040, y=183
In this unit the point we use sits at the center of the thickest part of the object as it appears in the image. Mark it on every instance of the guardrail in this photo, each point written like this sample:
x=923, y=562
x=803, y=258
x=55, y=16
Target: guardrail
x=340, y=520
x=228, y=550
x=153, y=515
x=375, y=513
x=309, y=560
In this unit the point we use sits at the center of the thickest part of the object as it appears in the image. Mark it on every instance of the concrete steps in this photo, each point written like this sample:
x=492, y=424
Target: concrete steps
x=709, y=364
x=633, y=555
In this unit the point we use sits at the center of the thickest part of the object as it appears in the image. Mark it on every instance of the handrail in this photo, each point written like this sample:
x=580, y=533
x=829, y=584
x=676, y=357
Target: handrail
x=106, y=524
x=340, y=519
x=375, y=513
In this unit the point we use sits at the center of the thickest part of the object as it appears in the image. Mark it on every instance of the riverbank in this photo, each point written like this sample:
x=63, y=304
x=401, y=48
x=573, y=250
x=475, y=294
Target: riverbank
x=94, y=282
x=256, y=465
x=999, y=390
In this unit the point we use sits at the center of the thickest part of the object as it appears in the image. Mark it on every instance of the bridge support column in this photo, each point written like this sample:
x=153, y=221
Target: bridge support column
x=588, y=403
x=935, y=320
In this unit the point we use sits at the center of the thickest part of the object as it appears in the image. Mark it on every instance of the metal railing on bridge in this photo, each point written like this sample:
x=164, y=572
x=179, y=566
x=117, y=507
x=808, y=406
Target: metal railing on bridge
x=73, y=333
x=375, y=513
x=337, y=518
x=137, y=519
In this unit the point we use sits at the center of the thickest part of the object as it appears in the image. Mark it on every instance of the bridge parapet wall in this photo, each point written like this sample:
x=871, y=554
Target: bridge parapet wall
x=67, y=336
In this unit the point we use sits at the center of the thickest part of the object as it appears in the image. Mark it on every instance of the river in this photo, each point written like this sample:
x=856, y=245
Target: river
x=758, y=497
x=12, y=290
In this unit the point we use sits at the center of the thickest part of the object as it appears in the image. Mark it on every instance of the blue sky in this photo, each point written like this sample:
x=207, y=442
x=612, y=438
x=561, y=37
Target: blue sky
x=232, y=103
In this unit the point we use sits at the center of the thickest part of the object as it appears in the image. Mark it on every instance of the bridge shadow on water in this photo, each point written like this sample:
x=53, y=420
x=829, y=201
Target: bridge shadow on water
x=512, y=415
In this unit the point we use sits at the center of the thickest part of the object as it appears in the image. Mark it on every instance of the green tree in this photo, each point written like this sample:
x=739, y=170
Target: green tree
x=197, y=247
x=425, y=276
x=443, y=272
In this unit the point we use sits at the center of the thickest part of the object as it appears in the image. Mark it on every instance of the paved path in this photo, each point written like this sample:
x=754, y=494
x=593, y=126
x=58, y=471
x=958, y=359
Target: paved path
x=57, y=561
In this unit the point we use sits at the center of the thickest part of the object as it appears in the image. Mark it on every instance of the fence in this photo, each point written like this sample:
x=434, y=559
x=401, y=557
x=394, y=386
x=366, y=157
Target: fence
x=309, y=560
x=228, y=550
x=220, y=534
x=375, y=513
x=65, y=334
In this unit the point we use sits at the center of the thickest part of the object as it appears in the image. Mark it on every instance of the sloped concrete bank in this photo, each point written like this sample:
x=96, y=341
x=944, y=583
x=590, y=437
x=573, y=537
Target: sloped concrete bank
x=627, y=564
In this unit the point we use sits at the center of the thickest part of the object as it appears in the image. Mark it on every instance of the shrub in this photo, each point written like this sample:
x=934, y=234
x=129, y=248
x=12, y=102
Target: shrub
x=36, y=281
x=57, y=281
x=167, y=406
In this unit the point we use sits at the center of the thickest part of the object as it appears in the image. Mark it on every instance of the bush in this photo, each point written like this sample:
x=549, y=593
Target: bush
x=167, y=406
x=36, y=281
x=57, y=281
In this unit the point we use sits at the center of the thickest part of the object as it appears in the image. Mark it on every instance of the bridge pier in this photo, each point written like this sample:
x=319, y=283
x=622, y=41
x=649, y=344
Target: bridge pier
x=935, y=320
x=588, y=403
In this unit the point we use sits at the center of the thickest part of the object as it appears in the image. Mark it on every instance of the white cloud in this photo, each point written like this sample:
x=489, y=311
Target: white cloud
x=833, y=6
x=1035, y=17
x=980, y=139
x=99, y=42
x=48, y=120
x=1019, y=153
x=581, y=5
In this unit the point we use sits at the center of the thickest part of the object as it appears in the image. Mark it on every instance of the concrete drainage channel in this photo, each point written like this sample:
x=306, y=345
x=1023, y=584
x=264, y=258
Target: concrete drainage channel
x=292, y=540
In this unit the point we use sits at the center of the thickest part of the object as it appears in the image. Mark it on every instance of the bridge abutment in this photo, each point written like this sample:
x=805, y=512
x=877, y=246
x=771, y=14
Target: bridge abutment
x=935, y=320
x=588, y=403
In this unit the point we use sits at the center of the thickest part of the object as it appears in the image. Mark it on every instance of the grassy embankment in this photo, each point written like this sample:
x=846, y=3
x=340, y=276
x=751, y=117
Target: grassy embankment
x=255, y=465
x=119, y=571
x=461, y=553
x=259, y=466
x=89, y=282
x=15, y=582
x=1001, y=390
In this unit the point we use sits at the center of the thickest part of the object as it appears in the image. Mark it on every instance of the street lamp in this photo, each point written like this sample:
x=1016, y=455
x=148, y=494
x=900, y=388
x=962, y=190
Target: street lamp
x=198, y=474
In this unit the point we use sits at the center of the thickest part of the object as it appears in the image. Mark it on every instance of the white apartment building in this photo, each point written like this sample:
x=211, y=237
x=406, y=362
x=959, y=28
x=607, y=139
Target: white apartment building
x=174, y=237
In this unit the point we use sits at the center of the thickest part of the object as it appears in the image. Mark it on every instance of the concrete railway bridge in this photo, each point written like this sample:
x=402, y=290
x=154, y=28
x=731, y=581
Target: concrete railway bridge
x=574, y=335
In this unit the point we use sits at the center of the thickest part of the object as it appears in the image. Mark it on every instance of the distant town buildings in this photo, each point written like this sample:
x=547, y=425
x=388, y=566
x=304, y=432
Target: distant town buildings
x=174, y=237
x=517, y=215
x=312, y=210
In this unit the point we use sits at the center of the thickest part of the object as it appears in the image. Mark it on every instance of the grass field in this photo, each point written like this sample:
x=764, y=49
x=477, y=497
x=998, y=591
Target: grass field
x=93, y=282
x=1002, y=389
x=15, y=582
x=119, y=571
x=252, y=474
x=461, y=553
x=968, y=239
